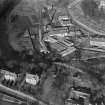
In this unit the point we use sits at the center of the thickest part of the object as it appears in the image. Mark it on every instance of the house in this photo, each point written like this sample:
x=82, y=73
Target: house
x=9, y=76
x=65, y=21
x=31, y=79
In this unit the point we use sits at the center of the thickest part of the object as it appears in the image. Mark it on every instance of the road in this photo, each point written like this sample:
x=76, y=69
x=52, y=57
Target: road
x=84, y=26
x=19, y=95
x=7, y=103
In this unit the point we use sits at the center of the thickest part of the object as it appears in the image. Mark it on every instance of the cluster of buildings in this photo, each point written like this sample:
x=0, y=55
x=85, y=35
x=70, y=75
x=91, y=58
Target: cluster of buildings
x=63, y=46
x=18, y=81
x=75, y=36
x=78, y=98
x=60, y=39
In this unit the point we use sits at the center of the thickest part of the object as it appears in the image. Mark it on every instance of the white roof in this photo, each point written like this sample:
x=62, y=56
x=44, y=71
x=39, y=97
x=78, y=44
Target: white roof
x=9, y=75
x=63, y=17
x=32, y=79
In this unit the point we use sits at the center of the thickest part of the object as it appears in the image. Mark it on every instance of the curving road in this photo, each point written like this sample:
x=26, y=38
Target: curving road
x=96, y=26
